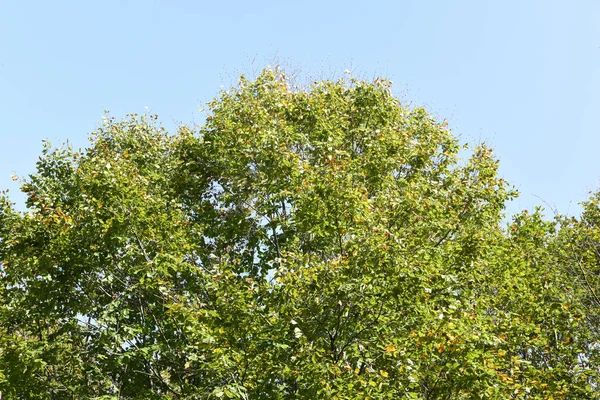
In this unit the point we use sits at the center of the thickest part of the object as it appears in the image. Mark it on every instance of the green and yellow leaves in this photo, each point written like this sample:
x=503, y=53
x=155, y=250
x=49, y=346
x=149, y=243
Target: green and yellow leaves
x=324, y=242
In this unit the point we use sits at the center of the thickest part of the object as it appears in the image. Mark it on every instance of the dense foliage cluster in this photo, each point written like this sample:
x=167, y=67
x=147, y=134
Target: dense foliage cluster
x=310, y=243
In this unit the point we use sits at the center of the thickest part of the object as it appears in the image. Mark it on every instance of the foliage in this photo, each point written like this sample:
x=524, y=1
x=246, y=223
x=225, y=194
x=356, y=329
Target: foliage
x=304, y=243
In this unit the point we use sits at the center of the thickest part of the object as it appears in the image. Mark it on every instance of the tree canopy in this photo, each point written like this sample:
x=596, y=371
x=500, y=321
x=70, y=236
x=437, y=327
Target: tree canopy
x=320, y=242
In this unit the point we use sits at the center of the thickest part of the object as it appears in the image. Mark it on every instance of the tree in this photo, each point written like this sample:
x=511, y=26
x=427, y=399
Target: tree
x=577, y=245
x=324, y=242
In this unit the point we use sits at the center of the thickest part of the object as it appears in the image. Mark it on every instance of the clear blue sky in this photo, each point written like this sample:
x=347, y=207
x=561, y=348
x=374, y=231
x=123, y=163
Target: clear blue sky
x=523, y=76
